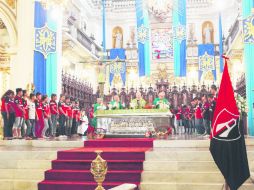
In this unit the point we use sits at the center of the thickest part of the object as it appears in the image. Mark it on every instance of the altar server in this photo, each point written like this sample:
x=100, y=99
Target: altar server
x=82, y=128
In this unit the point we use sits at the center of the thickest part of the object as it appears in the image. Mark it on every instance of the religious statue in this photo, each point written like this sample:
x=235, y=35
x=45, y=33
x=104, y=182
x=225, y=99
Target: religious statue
x=118, y=40
x=207, y=34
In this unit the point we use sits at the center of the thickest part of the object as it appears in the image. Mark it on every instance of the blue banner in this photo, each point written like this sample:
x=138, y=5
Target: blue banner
x=45, y=56
x=117, y=66
x=143, y=37
x=40, y=18
x=179, y=38
x=221, y=44
x=206, y=60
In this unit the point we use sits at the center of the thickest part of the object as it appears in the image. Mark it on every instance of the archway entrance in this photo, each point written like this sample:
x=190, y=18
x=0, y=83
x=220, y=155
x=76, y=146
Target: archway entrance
x=8, y=42
x=4, y=58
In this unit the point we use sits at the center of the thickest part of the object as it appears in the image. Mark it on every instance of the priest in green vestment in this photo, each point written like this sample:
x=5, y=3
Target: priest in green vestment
x=98, y=106
x=138, y=102
x=115, y=104
x=161, y=102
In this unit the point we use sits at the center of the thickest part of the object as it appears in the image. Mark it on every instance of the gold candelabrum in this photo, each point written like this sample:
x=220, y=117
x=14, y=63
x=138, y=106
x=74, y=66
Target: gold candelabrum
x=99, y=169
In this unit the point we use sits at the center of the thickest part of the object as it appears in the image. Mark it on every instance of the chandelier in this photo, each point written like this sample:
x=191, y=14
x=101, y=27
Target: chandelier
x=160, y=8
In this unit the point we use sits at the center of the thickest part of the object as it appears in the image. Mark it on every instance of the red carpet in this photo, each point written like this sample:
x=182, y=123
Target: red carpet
x=71, y=170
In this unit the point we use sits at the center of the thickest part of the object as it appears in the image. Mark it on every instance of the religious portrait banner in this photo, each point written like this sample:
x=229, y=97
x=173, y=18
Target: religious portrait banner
x=206, y=60
x=143, y=37
x=162, y=44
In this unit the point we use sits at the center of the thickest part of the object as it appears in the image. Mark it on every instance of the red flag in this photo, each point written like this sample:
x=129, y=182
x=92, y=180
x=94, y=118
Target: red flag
x=226, y=114
x=227, y=144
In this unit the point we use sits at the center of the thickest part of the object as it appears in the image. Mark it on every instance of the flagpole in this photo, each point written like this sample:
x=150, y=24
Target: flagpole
x=104, y=25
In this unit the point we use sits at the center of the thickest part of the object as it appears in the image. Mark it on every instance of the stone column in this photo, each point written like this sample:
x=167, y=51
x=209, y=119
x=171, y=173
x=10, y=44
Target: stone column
x=22, y=62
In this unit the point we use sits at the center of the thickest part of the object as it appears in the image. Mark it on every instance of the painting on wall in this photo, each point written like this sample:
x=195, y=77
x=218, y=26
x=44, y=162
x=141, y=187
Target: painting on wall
x=162, y=44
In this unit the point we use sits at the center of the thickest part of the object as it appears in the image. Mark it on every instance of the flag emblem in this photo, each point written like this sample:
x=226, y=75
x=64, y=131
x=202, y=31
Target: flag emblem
x=45, y=40
x=226, y=126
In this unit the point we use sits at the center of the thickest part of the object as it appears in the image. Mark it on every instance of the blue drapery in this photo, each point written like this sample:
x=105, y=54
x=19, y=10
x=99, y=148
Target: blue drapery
x=206, y=56
x=248, y=5
x=114, y=54
x=143, y=47
x=40, y=18
x=179, y=40
x=221, y=44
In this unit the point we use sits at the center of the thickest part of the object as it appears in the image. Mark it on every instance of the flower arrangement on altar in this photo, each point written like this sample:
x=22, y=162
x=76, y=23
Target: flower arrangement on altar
x=241, y=104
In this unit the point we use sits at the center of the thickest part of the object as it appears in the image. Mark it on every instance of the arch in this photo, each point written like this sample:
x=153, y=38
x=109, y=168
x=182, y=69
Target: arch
x=207, y=26
x=9, y=19
x=117, y=37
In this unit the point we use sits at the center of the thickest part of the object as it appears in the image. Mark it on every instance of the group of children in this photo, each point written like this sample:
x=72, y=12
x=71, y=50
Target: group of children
x=196, y=117
x=38, y=116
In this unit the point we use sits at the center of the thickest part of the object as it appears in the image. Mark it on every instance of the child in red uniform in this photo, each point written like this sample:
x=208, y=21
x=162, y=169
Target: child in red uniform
x=178, y=114
x=69, y=110
x=54, y=114
x=198, y=117
x=19, y=114
x=6, y=113
x=46, y=115
x=26, y=124
x=11, y=108
x=186, y=118
x=76, y=118
x=39, y=115
x=62, y=115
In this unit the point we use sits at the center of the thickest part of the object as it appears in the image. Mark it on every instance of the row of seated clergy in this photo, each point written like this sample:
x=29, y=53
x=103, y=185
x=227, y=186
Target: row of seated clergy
x=138, y=103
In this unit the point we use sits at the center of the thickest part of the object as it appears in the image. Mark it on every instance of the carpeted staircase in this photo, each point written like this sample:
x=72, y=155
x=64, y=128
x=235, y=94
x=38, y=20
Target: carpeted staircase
x=71, y=170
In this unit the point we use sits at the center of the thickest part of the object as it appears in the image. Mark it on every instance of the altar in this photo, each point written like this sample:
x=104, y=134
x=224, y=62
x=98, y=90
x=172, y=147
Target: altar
x=132, y=122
